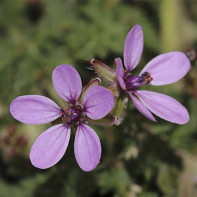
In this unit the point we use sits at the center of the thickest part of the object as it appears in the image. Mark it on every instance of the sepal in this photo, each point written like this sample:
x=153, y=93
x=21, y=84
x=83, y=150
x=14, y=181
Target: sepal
x=108, y=120
x=114, y=89
x=103, y=70
x=57, y=121
x=93, y=82
x=119, y=108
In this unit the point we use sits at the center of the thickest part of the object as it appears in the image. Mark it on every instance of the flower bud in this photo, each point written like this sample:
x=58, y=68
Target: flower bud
x=93, y=82
x=103, y=70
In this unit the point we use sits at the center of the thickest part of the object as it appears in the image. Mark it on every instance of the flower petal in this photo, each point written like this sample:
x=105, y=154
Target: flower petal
x=164, y=106
x=141, y=108
x=120, y=72
x=167, y=68
x=50, y=146
x=34, y=109
x=93, y=82
x=67, y=82
x=133, y=47
x=98, y=102
x=87, y=148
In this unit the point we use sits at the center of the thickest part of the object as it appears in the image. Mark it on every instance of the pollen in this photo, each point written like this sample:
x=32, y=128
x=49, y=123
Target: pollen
x=72, y=114
x=135, y=93
x=66, y=115
x=146, y=77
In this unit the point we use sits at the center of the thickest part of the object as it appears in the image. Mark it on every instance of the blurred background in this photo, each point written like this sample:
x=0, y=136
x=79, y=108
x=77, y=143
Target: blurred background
x=140, y=158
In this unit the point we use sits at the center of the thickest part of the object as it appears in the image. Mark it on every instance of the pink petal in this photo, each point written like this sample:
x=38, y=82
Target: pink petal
x=164, y=106
x=98, y=102
x=142, y=109
x=50, y=146
x=34, y=109
x=87, y=148
x=120, y=72
x=133, y=47
x=67, y=82
x=167, y=68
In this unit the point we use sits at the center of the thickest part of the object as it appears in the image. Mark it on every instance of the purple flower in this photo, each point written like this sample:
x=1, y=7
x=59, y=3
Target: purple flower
x=51, y=145
x=164, y=69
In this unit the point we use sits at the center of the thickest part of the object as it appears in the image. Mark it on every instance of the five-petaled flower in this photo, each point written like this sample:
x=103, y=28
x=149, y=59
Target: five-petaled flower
x=164, y=69
x=51, y=145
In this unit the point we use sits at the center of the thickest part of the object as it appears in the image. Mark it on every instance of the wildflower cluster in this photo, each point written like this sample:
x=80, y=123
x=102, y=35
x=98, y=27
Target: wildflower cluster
x=94, y=102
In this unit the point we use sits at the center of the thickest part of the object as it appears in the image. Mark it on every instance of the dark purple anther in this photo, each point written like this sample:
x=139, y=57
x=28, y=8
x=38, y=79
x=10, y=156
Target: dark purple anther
x=146, y=77
x=74, y=113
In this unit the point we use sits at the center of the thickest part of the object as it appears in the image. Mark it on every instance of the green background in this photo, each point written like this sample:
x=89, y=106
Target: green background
x=140, y=158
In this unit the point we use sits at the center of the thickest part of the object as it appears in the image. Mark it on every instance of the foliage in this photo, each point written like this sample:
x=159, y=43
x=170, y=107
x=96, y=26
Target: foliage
x=139, y=157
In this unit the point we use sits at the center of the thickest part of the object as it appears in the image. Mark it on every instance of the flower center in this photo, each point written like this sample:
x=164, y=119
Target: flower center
x=72, y=114
x=133, y=82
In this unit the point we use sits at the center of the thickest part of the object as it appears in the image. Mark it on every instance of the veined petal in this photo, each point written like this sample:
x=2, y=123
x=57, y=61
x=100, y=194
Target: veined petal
x=67, y=82
x=50, y=146
x=164, y=106
x=98, y=102
x=34, y=109
x=120, y=72
x=167, y=68
x=93, y=82
x=141, y=108
x=87, y=148
x=133, y=47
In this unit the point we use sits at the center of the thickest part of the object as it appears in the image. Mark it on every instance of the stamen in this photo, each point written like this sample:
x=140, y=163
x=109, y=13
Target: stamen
x=133, y=82
x=146, y=77
x=74, y=113
x=135, y=93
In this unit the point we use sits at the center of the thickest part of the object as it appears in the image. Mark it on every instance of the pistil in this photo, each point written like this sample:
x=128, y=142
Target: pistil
x=133, y=82
x=72, y=114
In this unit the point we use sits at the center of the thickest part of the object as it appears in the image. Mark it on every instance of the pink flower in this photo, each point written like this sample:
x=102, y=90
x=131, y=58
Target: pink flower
x=164, y=69
x=51, y=145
